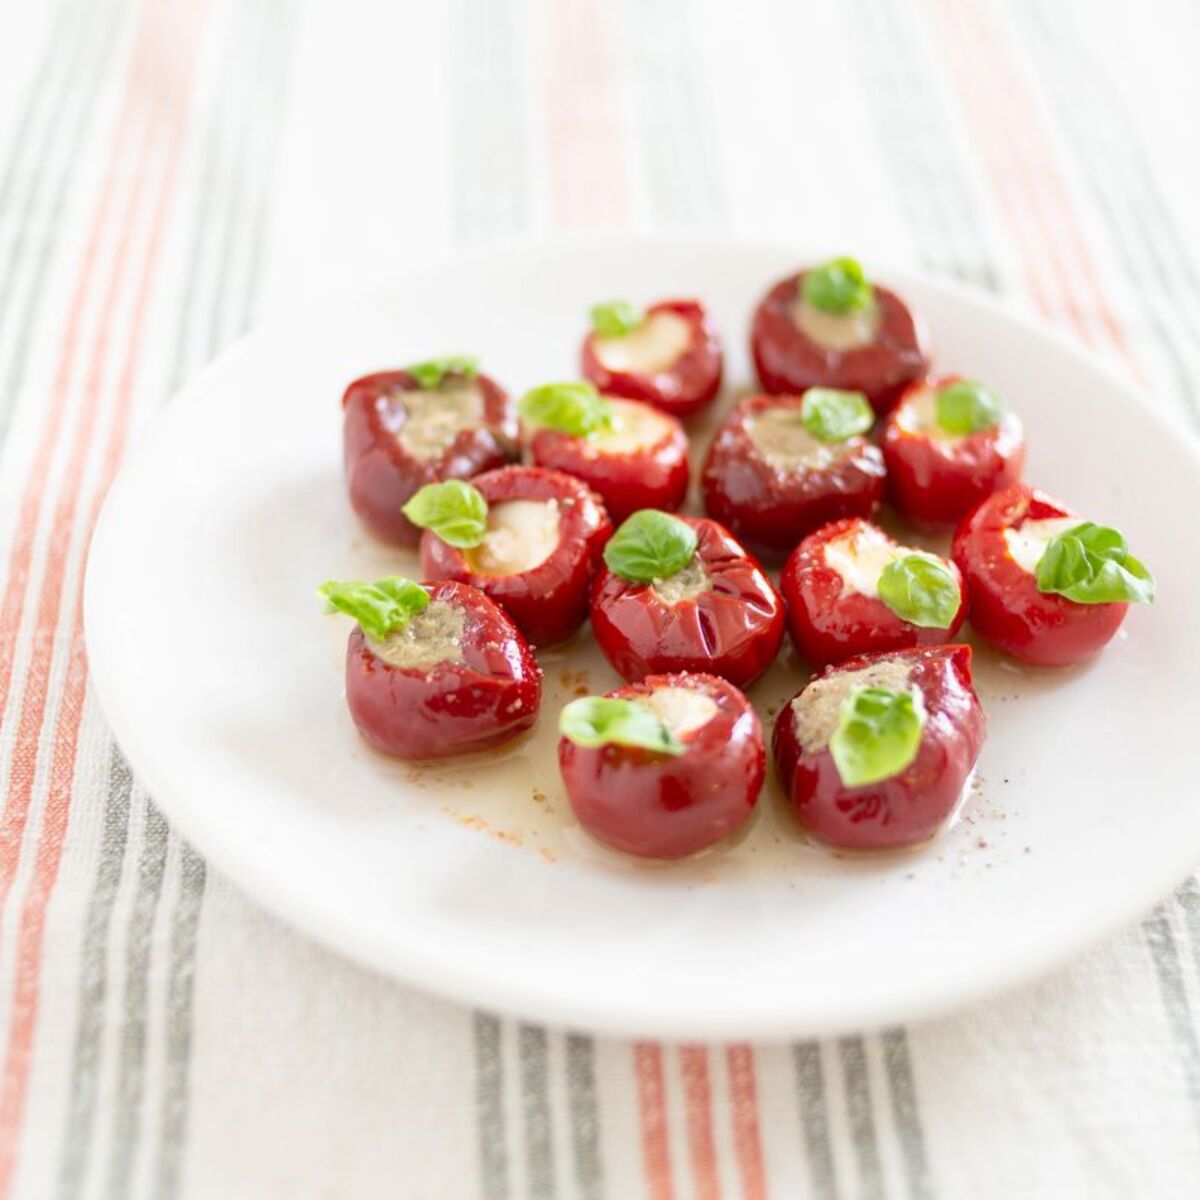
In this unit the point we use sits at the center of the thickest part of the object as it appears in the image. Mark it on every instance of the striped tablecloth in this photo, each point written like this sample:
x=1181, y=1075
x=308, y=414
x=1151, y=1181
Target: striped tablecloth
x=171, y=170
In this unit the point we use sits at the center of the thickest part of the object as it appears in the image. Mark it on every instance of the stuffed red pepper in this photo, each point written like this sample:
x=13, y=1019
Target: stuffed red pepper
x=830, y=326
x=631, y=455
x=1046, y=586
x=851, y=589
x=403, y=429
x=528, y=538
x=876, y=752
x=680, y=594
x=662, y=768
x=949, y=444
x=782, y=466
x=668, y=356
x=434, y=669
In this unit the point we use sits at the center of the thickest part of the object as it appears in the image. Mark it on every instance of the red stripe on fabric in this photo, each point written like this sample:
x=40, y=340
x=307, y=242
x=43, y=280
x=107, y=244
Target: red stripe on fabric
x=586, y=154
x=697, y=1095
x=652, y=1108
x=747, y=1134
x=177, y=43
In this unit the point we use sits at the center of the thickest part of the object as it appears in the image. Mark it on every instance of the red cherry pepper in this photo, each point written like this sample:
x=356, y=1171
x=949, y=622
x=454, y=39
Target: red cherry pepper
x=652, y=476
x=382, y=475
x=1007, y=608
x=549, y=602
x=830, y=623
x=771, y=508
x=668, y=806
x=454, y=707
x=686, y=386
x=788, y=360
x=911, y=806
x=732, y=629
x=934, y=481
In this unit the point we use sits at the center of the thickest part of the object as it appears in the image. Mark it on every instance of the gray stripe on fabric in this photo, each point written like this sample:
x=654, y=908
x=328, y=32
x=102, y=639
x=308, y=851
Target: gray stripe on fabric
x=1189, y=900
x=533, y=1047
x=584, y=1115
x=1169, y=968
x=814, y=1118
x=489, y=1107
x=853, y=1054
x=906, y=1114
x=93, y=985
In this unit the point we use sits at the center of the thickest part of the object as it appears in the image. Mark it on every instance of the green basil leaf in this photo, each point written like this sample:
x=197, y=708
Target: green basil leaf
x=455, y=510
x=615, y=319
x=967, y=406
x=1091, y=564
x=878, y=734
x=839, y=286
x=832, y=415
x=381, y=608
x=650, y=545
x=574, y=408
x=429, y=375
x=610, y=721
x=921, y=589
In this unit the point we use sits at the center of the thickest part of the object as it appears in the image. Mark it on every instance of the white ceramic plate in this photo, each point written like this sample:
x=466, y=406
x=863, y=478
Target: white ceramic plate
x=222, y=680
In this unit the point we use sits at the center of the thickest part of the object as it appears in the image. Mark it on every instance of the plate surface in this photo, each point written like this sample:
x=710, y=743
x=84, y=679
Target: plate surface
x=223, y=683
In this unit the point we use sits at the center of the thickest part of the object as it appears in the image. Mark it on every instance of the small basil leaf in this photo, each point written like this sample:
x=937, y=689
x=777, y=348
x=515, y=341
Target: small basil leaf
x=574, y=408
x=878, y=734
x=967, y=406
x=1091, y=564
x=381, y=608
x=610, y=721
x=832, y=415
x=650, y=545
x=455, y=510
x=922, y=590
x=615, y=319
x=839, y=286
x=429, y=375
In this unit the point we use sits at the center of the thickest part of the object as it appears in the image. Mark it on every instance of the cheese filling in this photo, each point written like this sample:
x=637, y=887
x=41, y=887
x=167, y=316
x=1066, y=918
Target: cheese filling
x=431, y=637
x=836, y=331
x=861, y=556
x=778, y=434
x=521, y=535
x=687, y=584
x=654, y=346
x=681, y=710
x=434, y=419
x=816, y=711
x=1027, y=543
x=918, y=415
x=634, y=427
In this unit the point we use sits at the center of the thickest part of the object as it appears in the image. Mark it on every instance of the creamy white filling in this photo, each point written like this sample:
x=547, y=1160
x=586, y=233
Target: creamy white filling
x=681, y=710
x=779, y=436
x=861, y=556
x=435, y=419
x=431, y=637
x=918, y=415
x=654, y=346
x=521, y=535
x=836, y=331
x=1027, y=544
x=687, y=584
x=816, y=710
x=634, y=427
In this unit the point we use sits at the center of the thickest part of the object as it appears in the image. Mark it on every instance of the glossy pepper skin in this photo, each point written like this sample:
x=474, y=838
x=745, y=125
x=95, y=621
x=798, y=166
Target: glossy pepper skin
x=549, y=602
x=664, y=806
x=829, y=624
x=454, y=707
x=935, y=482
x=381, y=475
x=685, y=387
x=1007, y=609
x=771, y=508
x=654, y=476
x=788, y=360
x=910, y=807
x=733, y=630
